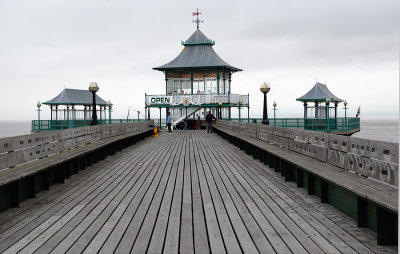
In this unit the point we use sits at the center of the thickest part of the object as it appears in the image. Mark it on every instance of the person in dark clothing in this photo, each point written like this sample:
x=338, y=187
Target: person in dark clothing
x=209, y=118
x=169, y=121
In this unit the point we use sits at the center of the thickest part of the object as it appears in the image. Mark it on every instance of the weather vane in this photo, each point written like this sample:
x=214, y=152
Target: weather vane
x=197, y=21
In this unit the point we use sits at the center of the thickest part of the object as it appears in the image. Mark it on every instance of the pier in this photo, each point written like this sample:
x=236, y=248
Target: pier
x=191, y=192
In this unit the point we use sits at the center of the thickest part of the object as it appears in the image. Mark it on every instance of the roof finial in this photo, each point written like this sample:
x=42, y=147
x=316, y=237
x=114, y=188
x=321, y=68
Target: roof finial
x=197, y=21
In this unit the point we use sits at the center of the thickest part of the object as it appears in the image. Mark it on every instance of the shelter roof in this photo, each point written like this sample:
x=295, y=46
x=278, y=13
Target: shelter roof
x=319, y=92
x=75, y=97
x=198, y=53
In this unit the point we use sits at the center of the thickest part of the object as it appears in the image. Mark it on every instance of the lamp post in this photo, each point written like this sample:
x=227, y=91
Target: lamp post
x=345, y=112
x=239, y=105
x=274, y=112
x=265, y=88
x=138, y=113
x=93, y=87
x=38, y=111
x=328, y=100
x=109, y=104
x=148, y=110
x=220, y=110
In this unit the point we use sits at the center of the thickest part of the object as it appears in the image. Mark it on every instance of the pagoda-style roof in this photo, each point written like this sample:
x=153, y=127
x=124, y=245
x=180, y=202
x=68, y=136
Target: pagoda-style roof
x=198, y=53
x=319, y=92
x=75, y=97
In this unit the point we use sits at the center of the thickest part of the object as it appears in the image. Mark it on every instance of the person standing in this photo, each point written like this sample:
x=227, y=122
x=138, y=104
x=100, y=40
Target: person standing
x=209, y=118
x=169, y=121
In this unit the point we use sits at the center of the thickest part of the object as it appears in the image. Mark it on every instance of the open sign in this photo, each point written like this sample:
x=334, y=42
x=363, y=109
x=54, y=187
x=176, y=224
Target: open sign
x=160, y=100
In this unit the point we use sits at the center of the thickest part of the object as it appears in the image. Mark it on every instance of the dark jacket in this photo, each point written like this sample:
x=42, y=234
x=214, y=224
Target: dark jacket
x=210, y=117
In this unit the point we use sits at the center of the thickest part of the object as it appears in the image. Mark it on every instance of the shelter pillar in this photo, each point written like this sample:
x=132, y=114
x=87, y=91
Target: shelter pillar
x=224, y=79
x=305, y=110
x=160, y=119
x=51, y=112
x=316, y=109
x=84, y=112
x=218, y=82
x=229, y=81
x=166, y=82
x=191, y=81
x=336, y=105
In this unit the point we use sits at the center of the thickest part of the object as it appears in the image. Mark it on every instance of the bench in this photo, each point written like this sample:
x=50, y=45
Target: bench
x=32, y=163
x=372, y=203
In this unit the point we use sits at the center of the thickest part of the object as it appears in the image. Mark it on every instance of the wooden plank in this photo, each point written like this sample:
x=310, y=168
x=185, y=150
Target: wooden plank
x=142, y=202
x=59, y=236
x=267, y=234
x=324, y=230
x=137, y=210
x=61, y=207
x=145, y=234
x=44, y=236
x=212, y=223
x=81, y=220
x=276, y=217
x=200, y=234
x=385, y=195
x=157, y=240
x=87, y=236
x=229, y=215
x=57, y=193
x=171, y=244
x=186, y=231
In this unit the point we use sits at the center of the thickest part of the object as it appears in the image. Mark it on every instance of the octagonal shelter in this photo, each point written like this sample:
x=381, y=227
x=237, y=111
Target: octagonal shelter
x=316, y=117
x=71, y=108
x=198, y=76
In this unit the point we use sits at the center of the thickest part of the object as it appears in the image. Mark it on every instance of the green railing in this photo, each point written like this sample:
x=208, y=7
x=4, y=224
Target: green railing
x=338, y=124
x=52, y=125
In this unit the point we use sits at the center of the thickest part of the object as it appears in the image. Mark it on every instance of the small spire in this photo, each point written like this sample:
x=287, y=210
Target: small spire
x=197, y=21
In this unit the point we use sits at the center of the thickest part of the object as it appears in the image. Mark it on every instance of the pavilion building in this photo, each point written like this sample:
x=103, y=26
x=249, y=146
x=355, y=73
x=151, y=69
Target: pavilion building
x=199, y=80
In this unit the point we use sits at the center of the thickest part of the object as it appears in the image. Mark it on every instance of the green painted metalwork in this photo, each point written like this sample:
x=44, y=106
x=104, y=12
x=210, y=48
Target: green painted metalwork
x=314, y=124
x=53, y=125
x=317, y=186
x=210, y=42
x=343, y=200
x=371, y=216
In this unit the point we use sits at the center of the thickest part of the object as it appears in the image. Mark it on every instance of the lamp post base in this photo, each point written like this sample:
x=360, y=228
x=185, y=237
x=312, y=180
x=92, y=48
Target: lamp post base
x=265, y=121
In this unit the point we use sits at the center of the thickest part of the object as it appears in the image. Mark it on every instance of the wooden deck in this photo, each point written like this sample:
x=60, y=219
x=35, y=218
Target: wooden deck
x=187, y=192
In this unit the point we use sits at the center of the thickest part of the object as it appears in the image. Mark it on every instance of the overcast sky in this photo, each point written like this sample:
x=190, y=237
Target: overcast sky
x=352, y=45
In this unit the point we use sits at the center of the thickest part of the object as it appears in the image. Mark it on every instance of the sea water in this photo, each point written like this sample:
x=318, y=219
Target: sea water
x=14, y=128
x=384, y=128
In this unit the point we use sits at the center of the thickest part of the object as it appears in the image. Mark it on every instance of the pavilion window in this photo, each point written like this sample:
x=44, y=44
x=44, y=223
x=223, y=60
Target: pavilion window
x=170, y=86
x=198, y=86
x=226, y=82
x=211, y=86
x=186, y=86
x=221, y=86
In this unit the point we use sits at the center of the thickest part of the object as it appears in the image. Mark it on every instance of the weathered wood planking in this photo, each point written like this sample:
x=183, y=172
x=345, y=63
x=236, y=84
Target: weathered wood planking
x=187, y=192
x=378, y=160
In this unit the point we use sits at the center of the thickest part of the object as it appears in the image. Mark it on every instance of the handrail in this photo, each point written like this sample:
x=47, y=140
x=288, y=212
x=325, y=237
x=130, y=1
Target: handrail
x=312, y=124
